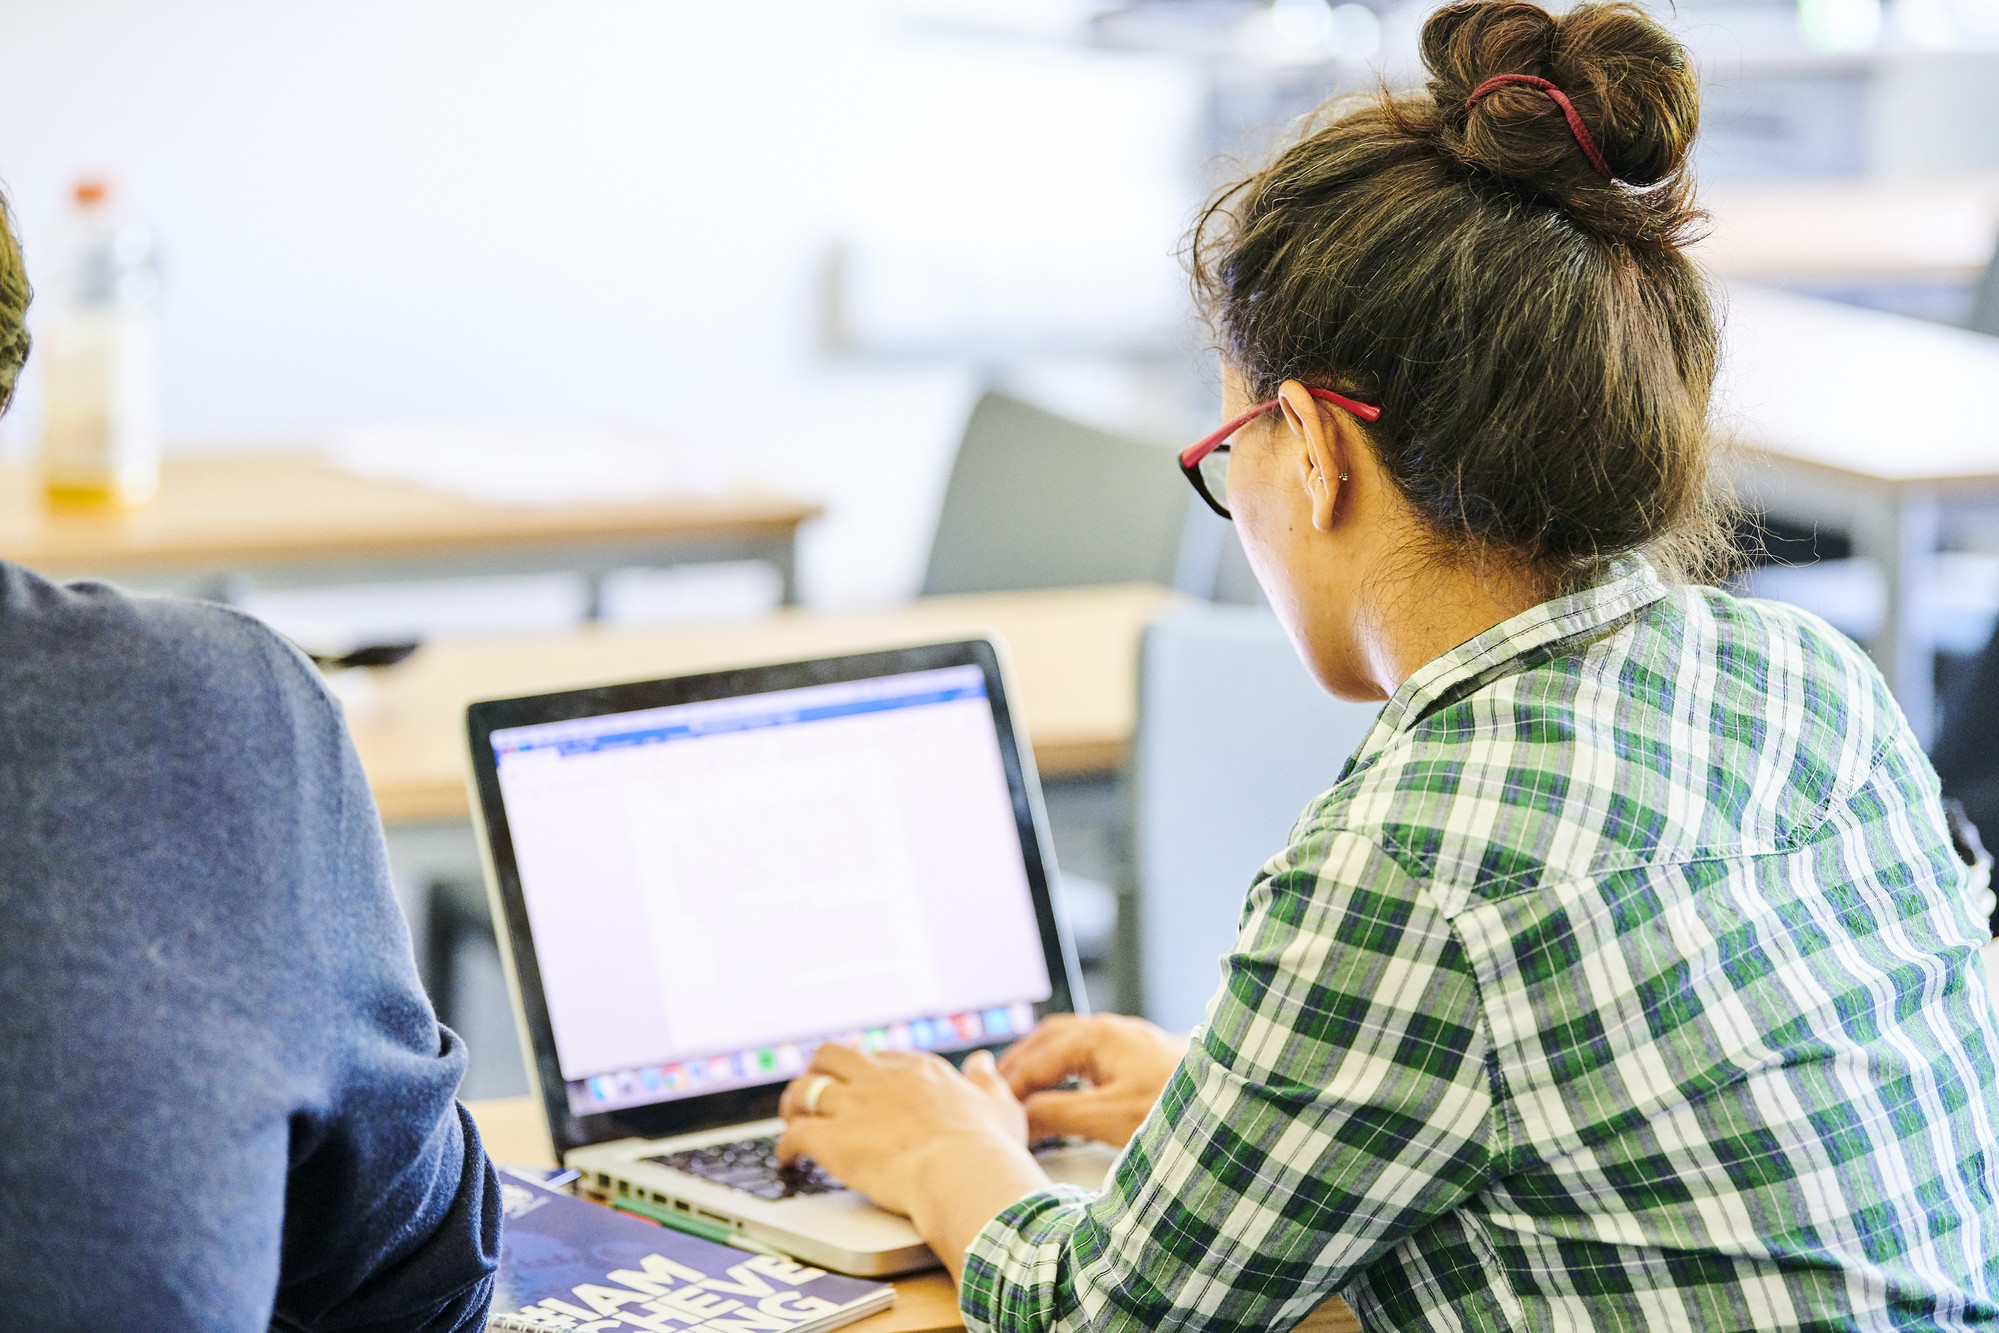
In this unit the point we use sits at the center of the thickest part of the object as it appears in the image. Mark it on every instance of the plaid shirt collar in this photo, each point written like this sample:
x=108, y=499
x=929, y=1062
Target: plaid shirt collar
x=1513, y=644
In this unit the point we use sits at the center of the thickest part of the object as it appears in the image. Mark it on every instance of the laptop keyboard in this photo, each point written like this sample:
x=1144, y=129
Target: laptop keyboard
x=751, y=1165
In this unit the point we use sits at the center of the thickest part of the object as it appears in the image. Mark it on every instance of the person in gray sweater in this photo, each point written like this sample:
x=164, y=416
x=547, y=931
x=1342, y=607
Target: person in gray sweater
x=225, y=1101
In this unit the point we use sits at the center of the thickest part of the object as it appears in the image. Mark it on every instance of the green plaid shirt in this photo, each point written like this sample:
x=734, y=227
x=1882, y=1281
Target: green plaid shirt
x=1625, y=980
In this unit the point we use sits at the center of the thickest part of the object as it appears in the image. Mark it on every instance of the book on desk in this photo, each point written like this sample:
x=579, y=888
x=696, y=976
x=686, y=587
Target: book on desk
x=569, y=1264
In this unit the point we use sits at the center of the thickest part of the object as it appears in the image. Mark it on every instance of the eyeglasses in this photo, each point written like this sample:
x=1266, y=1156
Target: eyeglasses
x=1207, y=463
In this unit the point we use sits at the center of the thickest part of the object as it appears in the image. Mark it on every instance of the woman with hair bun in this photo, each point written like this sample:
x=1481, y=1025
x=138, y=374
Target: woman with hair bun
x=1625, y=977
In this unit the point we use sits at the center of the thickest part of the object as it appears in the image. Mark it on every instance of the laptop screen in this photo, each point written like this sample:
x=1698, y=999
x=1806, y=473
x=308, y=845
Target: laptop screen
x=717, y=888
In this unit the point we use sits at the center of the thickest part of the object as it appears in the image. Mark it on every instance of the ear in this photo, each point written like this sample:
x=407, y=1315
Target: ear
x=1322, y=431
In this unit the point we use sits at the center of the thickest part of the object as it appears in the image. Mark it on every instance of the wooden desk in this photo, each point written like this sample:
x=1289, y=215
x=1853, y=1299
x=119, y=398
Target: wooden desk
x=1869, y=422
x=1860, y=229
x=292, y=518
x=1075, y=655
x=926, y=1303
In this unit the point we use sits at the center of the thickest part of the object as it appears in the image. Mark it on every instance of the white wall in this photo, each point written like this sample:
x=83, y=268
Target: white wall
x=1935, y=112
x=559, y=209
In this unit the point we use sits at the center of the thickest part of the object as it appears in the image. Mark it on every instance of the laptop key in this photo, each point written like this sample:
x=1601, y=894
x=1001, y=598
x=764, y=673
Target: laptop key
x=750, y=1165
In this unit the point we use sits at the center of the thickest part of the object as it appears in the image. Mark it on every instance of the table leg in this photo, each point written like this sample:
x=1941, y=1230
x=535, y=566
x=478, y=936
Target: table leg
x=1901, y=538
x=784, y=554
x=230, y=589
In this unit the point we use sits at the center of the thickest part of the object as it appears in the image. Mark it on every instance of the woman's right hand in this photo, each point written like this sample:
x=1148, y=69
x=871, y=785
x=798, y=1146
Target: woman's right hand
x=1124, y=1061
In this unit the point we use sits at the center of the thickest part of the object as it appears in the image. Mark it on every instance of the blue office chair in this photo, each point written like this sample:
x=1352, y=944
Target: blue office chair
x=1234, y=739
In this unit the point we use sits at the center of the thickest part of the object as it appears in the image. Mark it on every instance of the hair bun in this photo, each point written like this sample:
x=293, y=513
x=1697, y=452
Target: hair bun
x=1627, y=78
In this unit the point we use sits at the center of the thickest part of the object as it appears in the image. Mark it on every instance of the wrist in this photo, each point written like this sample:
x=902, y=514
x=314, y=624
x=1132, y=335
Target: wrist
x=965, y=1180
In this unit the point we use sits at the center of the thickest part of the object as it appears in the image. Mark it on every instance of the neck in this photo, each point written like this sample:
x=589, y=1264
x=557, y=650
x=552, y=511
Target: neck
x=1416, y=616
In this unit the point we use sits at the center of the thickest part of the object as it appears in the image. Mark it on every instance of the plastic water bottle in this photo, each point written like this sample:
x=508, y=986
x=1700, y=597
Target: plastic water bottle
x=100, y=349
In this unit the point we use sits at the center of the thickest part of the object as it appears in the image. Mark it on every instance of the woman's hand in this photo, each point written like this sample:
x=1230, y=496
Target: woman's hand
x=947, y=1149
x=1126, y=1061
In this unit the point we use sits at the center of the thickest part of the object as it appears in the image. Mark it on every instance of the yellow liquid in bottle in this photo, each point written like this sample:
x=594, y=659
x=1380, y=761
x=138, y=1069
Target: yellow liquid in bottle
x=103, y=495
x=100, y=433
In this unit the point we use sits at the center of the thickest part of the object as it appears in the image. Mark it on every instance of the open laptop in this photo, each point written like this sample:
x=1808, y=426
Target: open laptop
x=701, y=879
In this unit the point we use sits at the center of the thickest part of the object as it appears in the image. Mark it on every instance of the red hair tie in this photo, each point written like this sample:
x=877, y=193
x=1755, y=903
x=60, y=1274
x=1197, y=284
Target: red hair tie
x=1576, y=126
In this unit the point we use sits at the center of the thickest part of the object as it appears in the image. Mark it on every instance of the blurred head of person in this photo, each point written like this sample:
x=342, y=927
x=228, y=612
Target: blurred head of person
x=14, y=297
x=1510, y=290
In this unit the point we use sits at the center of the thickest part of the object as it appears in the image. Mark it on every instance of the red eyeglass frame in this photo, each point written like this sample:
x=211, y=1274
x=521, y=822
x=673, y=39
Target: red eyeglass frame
x=1191, y=456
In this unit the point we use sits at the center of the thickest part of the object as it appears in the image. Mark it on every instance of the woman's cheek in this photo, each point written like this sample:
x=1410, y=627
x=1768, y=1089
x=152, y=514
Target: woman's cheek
x=1265, y=527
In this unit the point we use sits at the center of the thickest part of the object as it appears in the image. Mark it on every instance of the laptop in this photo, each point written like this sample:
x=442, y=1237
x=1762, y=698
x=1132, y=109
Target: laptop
x=703, y=878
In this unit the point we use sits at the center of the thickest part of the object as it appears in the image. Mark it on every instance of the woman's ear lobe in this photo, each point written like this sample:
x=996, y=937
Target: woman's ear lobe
x=1323, y=497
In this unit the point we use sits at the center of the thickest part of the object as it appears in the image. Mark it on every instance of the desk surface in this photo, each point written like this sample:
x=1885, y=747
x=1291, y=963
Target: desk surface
x=227, y=511
x=1075, y=655
x=926, y=1303
x=1873, y=396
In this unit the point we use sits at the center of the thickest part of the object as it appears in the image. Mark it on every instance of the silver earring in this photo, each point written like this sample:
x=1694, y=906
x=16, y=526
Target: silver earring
x=1343, y=476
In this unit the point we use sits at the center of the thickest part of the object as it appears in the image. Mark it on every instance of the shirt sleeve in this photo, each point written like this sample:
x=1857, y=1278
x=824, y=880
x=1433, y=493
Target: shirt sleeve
x=1337, y=1099
x=391, y=1217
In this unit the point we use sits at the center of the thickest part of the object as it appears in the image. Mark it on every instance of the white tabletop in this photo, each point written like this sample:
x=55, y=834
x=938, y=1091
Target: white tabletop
x=1880, y=396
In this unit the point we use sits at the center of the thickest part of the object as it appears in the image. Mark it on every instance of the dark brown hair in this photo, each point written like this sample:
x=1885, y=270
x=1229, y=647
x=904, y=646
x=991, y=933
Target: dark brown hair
x=14, y=297
x=1541, y=350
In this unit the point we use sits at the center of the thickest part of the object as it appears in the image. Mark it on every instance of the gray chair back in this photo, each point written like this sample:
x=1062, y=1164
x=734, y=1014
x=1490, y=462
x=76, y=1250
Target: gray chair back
x=1213, y=566
x=1234, y=739
x=1985, y=304
x=1036, y=500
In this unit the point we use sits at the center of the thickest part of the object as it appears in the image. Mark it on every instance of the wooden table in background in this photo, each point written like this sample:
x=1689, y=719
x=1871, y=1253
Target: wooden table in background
x=515, y=1133
x=1074, y=650
x=1872, y=424
x=1856, y=230
x=293, y=518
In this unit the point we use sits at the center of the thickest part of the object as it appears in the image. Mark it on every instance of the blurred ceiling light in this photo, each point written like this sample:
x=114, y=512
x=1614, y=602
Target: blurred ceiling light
x=1839, y=25
x=1309, y=32
x=1304, y=24
x=1929, y=24
x=1356, y=34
